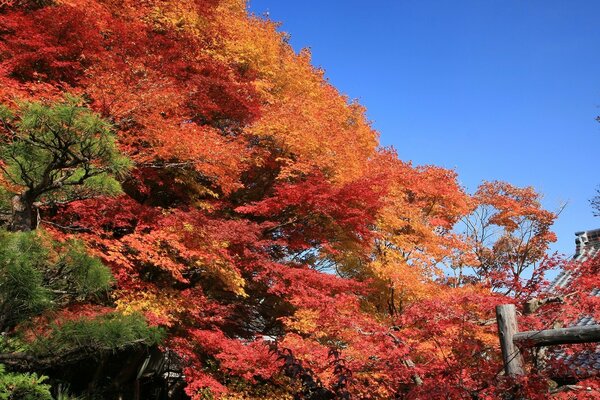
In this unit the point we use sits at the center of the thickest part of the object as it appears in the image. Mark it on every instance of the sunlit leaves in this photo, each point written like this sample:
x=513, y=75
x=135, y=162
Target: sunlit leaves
x=261, y=225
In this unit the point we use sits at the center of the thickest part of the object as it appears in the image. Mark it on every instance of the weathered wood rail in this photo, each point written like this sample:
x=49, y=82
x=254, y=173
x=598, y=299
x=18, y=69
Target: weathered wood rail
x=549, y=337
x=511, y=339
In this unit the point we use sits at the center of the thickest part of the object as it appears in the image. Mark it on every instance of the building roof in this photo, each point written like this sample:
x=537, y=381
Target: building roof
x=587, y=246
x=584, y=363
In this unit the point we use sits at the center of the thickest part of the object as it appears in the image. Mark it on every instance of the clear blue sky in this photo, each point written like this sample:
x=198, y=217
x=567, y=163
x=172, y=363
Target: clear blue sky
x=495, y=89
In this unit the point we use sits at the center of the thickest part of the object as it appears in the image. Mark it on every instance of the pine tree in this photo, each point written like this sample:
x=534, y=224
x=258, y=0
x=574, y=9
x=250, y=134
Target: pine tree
x=56, y=152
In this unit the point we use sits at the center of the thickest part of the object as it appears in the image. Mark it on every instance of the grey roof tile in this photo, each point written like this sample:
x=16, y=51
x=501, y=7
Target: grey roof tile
x=584, y=363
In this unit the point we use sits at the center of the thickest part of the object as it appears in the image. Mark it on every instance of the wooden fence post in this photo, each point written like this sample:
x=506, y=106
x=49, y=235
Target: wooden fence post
x=506, y=316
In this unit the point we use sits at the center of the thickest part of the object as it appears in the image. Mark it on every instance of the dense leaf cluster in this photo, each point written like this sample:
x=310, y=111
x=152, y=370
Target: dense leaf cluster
x=193, y=181
x=23, y=386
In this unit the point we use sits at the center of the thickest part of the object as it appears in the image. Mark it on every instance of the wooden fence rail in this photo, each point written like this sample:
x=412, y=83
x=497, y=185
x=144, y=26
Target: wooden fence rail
x=576, y=334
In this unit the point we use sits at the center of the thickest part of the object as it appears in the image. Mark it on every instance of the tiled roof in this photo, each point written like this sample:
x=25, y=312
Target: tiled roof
x=587, y=245
x=584, y=363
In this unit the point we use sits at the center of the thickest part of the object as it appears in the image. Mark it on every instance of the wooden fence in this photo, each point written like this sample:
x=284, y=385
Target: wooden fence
x=511, y=339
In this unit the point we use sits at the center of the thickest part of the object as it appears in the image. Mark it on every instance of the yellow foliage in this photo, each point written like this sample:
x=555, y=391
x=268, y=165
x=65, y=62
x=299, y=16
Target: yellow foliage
x=312, y=124
x=229, y=276
x=303, y=321
x=165, y=305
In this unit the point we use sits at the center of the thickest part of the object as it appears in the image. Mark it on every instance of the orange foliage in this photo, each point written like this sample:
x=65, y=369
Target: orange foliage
x=262, y=226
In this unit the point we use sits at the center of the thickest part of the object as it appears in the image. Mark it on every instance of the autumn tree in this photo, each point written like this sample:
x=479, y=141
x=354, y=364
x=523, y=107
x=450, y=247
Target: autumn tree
x=261, y=234
x=56, y=152
x=509, y=233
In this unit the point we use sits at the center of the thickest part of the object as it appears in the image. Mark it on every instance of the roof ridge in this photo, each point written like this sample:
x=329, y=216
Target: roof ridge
x=587, y=245
x=586, y=239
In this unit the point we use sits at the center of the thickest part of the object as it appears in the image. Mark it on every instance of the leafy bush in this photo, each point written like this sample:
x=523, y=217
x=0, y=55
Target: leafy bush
x=15, y=386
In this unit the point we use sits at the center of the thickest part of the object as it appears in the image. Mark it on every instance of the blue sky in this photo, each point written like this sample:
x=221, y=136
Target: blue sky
x=495, y=89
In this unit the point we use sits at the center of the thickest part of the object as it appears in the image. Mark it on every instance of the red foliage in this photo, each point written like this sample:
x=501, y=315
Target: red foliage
x=314, y=212
x=53, y=44
x=261, y=226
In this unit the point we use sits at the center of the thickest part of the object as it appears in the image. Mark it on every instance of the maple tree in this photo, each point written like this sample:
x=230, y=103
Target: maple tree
x=238, y=217
x=510, y=233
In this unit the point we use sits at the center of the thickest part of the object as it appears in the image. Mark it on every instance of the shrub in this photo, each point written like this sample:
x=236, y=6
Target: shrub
x=16, y=386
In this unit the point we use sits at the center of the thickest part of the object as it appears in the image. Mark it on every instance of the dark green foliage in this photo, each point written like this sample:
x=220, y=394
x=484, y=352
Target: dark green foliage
x=106, y=333
x=28, y=4
x=23, y=260
x=37, y=273
x=80, y=274
x=52, y=148
x=15, y=386
x=57, y=152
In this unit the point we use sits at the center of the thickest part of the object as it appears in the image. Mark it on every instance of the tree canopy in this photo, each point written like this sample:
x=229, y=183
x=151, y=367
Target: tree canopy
x=58, y=152
x=197, y=188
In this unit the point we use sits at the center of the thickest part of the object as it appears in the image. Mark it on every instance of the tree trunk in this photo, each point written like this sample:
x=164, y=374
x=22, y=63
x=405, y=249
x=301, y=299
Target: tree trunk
x=24, y=218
